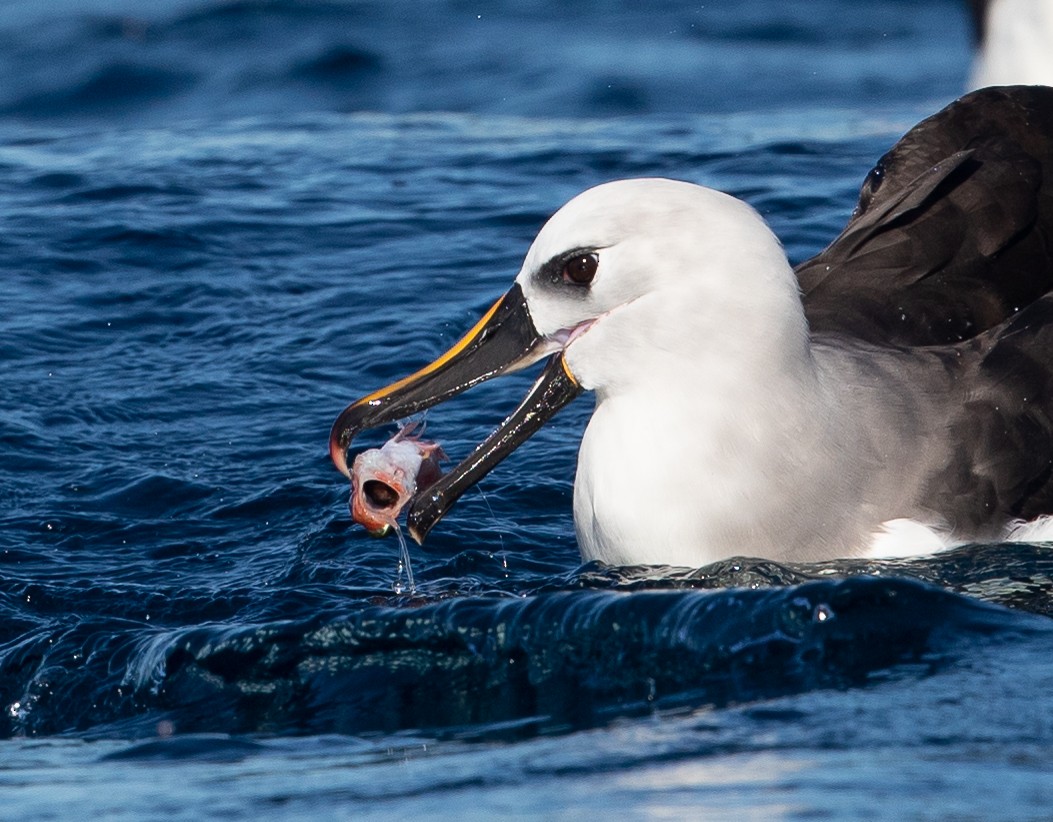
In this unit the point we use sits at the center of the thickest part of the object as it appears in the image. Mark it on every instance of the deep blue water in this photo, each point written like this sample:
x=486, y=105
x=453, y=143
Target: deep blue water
x=223, y=221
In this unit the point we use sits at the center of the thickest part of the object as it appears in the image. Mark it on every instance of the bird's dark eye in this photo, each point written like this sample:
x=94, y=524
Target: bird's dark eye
x=581, y=269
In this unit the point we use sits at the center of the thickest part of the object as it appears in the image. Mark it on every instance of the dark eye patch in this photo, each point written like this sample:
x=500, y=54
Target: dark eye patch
x=576, y=268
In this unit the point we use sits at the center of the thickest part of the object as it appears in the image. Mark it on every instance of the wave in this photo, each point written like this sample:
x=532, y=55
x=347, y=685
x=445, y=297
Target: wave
x=493, y=666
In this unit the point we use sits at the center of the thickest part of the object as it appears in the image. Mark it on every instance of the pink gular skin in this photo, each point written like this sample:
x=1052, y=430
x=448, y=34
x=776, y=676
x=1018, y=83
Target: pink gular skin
x=384, y=480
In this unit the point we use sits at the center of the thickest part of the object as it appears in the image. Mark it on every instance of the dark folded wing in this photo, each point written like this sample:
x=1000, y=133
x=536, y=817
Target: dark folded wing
x=953, y=232
x=1004, y=467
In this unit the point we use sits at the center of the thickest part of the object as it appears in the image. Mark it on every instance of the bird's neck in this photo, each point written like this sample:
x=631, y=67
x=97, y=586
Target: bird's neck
x=692, y=458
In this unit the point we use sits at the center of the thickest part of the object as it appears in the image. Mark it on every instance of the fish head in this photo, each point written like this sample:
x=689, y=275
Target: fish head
x=383, y=481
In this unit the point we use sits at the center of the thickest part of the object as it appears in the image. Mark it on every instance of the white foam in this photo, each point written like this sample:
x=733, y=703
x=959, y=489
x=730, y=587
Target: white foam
x=1038, y=530
x=908, y=538
x=899, y=538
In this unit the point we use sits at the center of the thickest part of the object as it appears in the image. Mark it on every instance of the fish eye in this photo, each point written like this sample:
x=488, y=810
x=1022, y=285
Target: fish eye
x=581, y=269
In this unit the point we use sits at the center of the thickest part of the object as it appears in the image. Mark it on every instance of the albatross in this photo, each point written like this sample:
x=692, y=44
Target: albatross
x=1014, y=41
x=893, y=394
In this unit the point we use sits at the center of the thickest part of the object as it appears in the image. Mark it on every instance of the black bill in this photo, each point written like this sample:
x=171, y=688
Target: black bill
x=504, y=340
x=553, y=389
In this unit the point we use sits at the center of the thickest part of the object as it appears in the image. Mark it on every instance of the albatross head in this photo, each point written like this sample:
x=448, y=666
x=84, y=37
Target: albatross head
x=636, y=275
x=628, y=287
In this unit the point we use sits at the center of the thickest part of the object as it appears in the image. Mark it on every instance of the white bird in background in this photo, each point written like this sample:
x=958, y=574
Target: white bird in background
x=1015, y=42
x=894, y=392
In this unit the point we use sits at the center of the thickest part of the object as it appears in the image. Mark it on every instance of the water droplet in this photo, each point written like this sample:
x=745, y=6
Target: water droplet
x=823, y=612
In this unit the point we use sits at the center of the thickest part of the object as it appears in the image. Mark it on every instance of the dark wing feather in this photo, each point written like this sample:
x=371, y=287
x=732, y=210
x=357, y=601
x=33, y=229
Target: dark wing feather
x=953, y=232
x=1004, y=470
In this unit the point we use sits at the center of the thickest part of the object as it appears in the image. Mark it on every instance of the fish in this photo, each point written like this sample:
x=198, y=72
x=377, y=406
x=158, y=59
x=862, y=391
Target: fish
x=385, y=479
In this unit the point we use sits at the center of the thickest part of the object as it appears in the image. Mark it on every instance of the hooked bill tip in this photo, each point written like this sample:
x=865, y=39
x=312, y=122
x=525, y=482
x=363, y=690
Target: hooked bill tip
x=338, y=454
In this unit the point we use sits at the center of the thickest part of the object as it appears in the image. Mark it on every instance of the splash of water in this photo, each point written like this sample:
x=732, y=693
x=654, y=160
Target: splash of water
x=404, y=564
x=493, y=516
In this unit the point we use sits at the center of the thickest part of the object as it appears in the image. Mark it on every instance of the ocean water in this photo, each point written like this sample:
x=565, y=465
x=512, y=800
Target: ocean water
x=222, y=221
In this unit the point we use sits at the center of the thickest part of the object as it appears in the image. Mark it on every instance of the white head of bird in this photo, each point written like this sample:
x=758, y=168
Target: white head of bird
x=680, y=271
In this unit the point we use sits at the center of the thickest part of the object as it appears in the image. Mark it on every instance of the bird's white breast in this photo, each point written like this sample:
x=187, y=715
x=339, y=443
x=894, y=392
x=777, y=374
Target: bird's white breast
x=691, y=470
